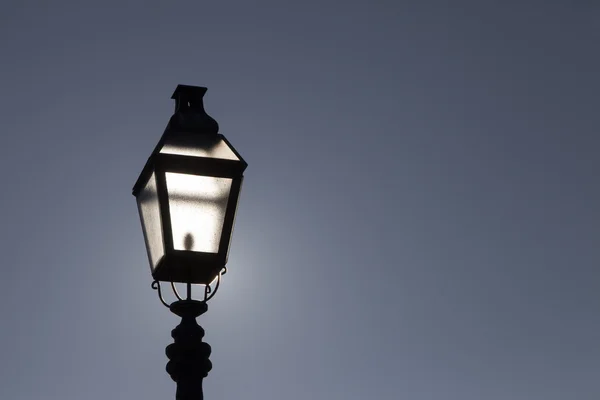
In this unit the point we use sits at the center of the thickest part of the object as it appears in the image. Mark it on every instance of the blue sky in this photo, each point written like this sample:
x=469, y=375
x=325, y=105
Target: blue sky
x=419, y=218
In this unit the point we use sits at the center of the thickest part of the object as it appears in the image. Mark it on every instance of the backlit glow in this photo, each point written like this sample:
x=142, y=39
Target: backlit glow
x=151, y=223
x=197, y=207
x=195, y=145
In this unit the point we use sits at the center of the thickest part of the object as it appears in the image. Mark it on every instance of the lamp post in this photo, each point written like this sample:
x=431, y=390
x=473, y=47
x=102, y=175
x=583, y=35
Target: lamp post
x=187, y=195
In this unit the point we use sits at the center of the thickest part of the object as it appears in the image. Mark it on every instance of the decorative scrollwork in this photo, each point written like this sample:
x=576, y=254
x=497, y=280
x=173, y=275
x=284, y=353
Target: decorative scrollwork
x=175, y=291
x=209, y=291
x=156, y=286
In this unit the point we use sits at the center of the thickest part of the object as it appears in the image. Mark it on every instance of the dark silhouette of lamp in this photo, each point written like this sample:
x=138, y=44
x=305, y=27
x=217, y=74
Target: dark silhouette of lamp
x=187, y=197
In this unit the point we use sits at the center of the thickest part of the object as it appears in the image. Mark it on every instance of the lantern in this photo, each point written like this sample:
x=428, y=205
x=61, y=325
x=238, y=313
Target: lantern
x=187, y=194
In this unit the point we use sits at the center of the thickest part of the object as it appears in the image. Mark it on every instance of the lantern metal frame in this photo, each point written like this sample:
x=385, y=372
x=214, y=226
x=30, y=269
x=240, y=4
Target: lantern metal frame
x=188, y=266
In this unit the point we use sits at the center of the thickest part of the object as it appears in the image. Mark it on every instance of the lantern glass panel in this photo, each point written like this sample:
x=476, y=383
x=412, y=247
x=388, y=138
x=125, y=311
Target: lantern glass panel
x=194, y=145
x=151, y=223
x=197, y=207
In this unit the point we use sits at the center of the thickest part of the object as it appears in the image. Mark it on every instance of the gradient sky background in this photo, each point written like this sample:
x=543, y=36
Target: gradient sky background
x=419, y=220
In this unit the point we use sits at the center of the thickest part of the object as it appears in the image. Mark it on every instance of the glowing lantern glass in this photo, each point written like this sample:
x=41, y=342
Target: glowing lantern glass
x=187, y=194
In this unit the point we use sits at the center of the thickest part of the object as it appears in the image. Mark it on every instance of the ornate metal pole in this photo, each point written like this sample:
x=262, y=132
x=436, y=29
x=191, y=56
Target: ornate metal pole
x=189, y=363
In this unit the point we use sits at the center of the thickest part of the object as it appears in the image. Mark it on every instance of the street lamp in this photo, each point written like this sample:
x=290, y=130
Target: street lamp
x=187, y=195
